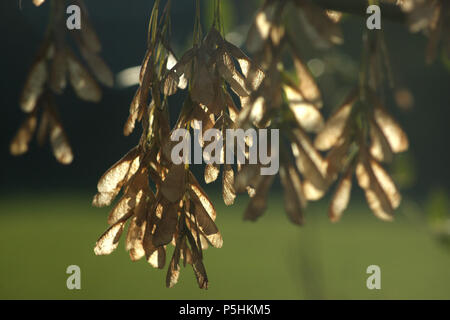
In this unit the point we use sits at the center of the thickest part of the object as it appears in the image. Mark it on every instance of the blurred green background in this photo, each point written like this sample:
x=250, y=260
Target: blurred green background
x=270, y=259
x=47, y=222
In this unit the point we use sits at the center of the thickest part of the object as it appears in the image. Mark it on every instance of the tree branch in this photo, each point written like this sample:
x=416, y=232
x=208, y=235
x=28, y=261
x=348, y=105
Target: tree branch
x=358, y=7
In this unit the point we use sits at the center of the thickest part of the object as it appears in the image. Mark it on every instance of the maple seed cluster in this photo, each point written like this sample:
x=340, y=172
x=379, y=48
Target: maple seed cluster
x=161, y=202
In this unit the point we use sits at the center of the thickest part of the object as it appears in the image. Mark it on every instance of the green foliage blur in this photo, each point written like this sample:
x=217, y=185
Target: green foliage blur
x=42, y=234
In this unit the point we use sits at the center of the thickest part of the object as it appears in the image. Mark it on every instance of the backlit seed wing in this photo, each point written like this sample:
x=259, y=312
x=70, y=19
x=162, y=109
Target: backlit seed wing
x=113, y=179
x=60, y=143
x=19, y=144
x=376, y=197
x=246, y=177
x=228, y=71
x=134, y=111
x=294, y=199
x=334, y=127
x=386, y=183
x=99, y=68
x=212, y=171
x=171, y=83
x=125, y=205
x=310, y=164
x=158, y=258
x=253, y=75
x=58, y=72
x=84, y=85
x=199, y=196
x=197, y=265
x=318, y=26
x=88, y=35
x=335, y=160
x=109, y=241
x=306, y=114
x=166, y=227
x=136, y=231
x=260, y=29
x=379, y=148
x=34, y=85
x=205, y=224
x=37, y=3
x=228, y=192
x=394, y=134
x=173, y=272
x=258, y=203
x=307, y=84
x=341, y=197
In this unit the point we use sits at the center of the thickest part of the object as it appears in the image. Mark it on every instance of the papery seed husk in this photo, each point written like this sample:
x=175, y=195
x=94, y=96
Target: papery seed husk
x=341, y=197
x=228, y=192
x=173, y=186
x=307, y=84
x=212, y=171
x=166, y=227
x=394, y=134
x=59, y=141
x=258, y=203
x=58, y=72
x=335, y=125
x=379, y=148
x=98, y=67
x=306, y=114
x=109, y=240
x=376, y=197
x=294, y=198
x=34, y=85
x=20, y=142
x=199, y=196
x=84, y=85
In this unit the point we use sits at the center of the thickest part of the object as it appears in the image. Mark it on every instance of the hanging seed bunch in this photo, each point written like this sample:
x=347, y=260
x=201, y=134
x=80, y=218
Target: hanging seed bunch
x=280, y=101
x=361, y=134
x=179, y=212
x=54, y=65
x=160, y=203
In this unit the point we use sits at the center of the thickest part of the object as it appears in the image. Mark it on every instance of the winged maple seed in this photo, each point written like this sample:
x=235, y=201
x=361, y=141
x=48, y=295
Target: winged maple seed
x=54, y=63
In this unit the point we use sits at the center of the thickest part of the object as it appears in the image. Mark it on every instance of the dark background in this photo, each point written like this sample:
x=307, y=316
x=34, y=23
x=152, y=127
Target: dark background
x=95, y=130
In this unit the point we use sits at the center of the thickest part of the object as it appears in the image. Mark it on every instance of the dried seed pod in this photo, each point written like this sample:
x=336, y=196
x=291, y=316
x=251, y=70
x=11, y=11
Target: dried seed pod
x=60, y=143
x=20, y=142
x=114, y=178
x=294, y=198
x=258, y=203
x=335, y=125
x=84, y=85
x=228, y=192
x=34, y=85
x=58, y=72
x=306, y=114
x=173, y=186
x=109, y=241
x=341, y=197
x=98, y=67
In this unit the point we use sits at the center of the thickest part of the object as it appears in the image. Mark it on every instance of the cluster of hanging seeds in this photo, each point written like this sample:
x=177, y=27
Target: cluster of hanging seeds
x=56, y=64
x=161, y=203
